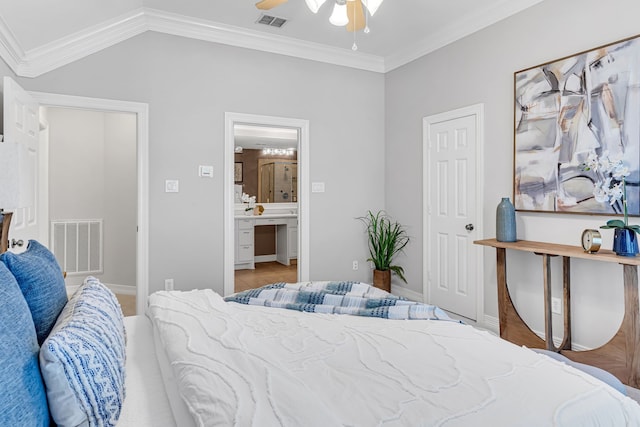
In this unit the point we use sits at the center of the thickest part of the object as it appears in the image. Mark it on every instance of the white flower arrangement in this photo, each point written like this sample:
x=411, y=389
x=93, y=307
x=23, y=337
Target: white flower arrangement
x=250, y=200
x=613, y=187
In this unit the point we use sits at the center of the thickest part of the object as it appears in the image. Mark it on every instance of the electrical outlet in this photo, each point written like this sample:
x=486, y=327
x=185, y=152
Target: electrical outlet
x=556, y=305
x=355, y=265
x=168, y=284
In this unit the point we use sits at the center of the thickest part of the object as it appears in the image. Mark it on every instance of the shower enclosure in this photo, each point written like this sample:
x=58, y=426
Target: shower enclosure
x=278, y=182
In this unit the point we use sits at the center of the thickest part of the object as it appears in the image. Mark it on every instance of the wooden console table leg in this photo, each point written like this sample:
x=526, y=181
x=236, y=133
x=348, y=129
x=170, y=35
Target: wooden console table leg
x=548, y=321
x=512, y=327
x=566, y=302
x=621, y=355
x=631, y=323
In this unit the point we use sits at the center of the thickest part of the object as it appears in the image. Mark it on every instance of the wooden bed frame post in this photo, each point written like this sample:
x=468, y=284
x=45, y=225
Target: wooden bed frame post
x=5, y=222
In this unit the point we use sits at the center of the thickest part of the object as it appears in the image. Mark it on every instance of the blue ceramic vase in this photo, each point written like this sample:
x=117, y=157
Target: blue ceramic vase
x=625, y=242
x=505, y=221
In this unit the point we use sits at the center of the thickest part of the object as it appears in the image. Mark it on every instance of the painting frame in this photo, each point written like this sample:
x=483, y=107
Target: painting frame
x=568, y=112
x=238, y=172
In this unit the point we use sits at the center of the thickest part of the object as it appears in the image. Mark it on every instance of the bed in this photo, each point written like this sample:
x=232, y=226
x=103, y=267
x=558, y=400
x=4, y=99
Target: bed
x=275, y=356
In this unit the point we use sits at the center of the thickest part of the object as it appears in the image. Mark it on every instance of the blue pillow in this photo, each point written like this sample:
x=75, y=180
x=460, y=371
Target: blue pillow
x=22, y=398
x=41, y=282
x=82, y=360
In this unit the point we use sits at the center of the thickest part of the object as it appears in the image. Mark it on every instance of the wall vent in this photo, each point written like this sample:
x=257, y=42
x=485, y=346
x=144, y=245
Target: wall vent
x=272, y=21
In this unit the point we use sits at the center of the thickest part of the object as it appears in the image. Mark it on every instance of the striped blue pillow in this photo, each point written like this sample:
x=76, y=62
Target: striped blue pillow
x=22, y=398
x=82, y=360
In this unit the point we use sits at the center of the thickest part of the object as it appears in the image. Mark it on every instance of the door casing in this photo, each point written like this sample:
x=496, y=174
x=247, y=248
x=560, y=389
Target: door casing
x=142, y=112
x=230, y=119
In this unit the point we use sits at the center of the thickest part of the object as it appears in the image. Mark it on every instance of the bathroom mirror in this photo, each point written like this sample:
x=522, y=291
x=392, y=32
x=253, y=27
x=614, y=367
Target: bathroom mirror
x=268, y=159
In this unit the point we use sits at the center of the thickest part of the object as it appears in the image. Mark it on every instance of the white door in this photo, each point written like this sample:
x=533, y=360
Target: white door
x=451, y=223
x=19, y=162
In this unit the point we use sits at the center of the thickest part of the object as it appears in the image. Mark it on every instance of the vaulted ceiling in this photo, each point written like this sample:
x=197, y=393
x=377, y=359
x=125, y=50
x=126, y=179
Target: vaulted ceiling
x=37, y=36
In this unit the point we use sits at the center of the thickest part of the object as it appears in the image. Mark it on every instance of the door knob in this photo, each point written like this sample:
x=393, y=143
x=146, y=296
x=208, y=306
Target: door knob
x=18, y=243
x=469, y=227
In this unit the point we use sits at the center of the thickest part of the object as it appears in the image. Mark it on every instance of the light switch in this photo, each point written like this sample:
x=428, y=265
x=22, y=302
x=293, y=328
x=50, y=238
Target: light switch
x=205, y=171
x=171, y=186
x=317, y=187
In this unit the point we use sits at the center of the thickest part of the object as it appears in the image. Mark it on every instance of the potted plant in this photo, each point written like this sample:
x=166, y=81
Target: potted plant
x=385, y=239
x=613, y=189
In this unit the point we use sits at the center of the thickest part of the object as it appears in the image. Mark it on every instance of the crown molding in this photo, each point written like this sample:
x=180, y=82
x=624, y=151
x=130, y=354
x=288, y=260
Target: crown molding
x=81, y=44
x=457, y=31
x=184, y=26
x=10, y=49
x=58, y=53
x=66, y=50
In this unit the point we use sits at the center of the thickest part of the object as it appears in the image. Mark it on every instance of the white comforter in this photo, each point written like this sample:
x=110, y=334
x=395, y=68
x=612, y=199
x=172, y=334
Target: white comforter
x=257, y=366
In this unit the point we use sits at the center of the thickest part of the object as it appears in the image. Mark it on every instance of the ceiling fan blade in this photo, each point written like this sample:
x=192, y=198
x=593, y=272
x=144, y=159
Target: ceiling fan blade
x=269, y=4
x=356, y=15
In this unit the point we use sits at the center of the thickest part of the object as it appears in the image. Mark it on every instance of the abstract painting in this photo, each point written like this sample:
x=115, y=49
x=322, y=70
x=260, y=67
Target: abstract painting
x=573, y=112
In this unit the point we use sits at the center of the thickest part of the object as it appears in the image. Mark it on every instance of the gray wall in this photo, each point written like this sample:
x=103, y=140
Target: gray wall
x=479, y=69
x=189, y=85
x=92, y=175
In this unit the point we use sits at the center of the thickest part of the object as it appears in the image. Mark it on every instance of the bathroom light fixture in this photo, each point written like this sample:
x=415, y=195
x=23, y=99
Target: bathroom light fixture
x=278, y=151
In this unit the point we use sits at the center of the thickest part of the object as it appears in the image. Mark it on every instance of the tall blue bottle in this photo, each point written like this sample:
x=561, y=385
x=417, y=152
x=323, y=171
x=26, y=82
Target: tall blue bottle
x=505, y=221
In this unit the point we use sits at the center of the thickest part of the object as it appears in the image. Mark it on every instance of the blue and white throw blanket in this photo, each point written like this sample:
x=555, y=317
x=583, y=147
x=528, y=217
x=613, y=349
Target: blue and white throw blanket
x=355, y=298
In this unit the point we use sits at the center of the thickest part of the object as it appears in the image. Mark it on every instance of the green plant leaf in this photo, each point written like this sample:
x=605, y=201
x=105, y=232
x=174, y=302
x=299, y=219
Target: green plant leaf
x=613, y=223
x=635, y=228
x=385, y=239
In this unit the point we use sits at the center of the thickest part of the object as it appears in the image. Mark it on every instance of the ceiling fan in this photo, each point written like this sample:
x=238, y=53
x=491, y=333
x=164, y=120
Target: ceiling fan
x=349, y=13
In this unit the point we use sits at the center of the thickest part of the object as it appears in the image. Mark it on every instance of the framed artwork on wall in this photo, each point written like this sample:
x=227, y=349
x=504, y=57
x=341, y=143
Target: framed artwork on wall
x=237, y=176
x=575, y=118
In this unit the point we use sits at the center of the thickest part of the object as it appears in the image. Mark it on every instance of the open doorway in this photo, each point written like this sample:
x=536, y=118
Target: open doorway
x=93, y=197
x=253, y=146
x=116, y=113
x=265, y=171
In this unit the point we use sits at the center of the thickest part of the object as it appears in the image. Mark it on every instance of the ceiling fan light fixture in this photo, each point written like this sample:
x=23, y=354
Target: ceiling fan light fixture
x=372, y=5
x=339, y=17
x=314, y=5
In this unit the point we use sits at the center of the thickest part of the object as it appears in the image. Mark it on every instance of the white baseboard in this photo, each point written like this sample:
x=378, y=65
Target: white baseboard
x=116, y=289
x=401, y=291
x=491, y=323
x=557, y=341
x=265, y=258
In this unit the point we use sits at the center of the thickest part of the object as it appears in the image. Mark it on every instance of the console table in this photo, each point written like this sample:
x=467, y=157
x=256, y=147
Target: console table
x=620, y=356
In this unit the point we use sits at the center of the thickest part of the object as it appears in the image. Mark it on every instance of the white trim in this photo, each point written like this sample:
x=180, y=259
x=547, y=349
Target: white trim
x=10, y=49
x=116, y=289
x=142, y=112
x=491, y=323
x=401, y=291
x=458, y=30
x=201, y=29
x=63, y=51
x=476, y=110
x=76, y=46
x=229, y=203
x=557, y=341
x=121, y=289
x=265, y=258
